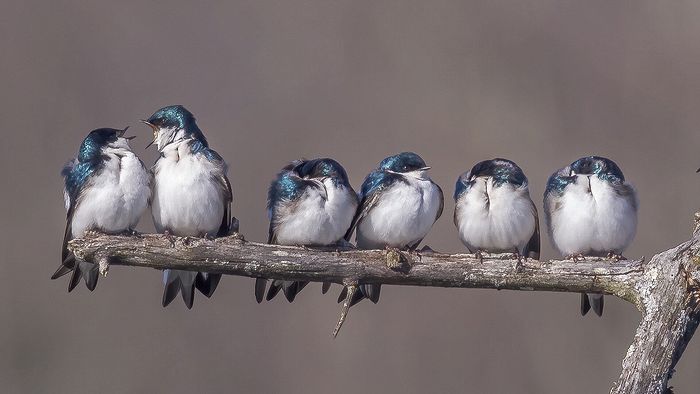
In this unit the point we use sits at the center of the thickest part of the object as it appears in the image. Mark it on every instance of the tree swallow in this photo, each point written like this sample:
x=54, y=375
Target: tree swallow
x=106, y=189
x=310, y=203
x=590, y=211
x=494, y=212
x=191, y=195
x=398, y=205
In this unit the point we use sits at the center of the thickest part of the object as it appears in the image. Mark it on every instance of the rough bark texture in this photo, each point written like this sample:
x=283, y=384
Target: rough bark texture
x=665, y=290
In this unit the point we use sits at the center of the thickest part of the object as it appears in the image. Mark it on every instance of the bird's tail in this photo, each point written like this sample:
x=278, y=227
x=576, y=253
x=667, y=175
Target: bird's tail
x=81, y=270
x=290, y=289
x=595, y=301
x=185, y=282
x=370, y=291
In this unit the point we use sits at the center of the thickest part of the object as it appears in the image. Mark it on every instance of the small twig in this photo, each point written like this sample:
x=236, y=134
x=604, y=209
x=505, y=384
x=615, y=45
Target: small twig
x=352, y=288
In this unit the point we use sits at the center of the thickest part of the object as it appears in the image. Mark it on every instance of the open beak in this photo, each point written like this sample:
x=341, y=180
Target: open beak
x=155, y=132
x=121, y=134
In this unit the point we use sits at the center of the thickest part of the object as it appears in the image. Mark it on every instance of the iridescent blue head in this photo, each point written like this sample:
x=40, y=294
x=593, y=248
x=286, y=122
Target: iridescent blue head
x=323, y=168
x=98, y=140
x=173, y=123
x=600, y=167
x=500, y=171
x=403, y=162
x=604, y=168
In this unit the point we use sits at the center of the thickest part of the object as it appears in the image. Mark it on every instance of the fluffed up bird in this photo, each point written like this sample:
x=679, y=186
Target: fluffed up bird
x=106, y=189
x=590, y=211
x=191, y=195
x=310, y=203
x=494, y=212
x=398, y=205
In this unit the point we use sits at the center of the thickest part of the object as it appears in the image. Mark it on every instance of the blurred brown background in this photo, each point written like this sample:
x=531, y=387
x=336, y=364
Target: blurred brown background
x=457, y=82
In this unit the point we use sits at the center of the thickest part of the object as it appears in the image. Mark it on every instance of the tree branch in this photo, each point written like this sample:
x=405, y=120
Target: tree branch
x=665, y=290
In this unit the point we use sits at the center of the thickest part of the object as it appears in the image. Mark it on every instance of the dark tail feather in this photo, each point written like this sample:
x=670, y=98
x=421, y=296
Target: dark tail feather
x=179, y=281
x=371, y=291
x=585, y=305
x=81, y=270
x=206, y=283
x=260, y=284
x=291, y=289
x=343, y=294
x=597, y=303
x=325, y=287
x=275, y=287
x=62, y=270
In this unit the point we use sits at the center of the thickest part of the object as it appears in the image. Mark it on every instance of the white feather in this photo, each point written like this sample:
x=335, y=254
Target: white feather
x=592, y=218
x=116, y=197
x=403, y=215
x=187, y=198
x=495, y=219
x=315, y=219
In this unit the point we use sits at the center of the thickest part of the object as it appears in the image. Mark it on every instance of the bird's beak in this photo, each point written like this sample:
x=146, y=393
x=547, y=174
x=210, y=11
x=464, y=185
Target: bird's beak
x=155, y=132
x=698, y=170
x=121, y=134
x=424, y=169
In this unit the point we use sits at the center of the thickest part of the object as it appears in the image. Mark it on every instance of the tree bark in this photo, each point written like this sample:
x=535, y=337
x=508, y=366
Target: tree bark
x=666, y=290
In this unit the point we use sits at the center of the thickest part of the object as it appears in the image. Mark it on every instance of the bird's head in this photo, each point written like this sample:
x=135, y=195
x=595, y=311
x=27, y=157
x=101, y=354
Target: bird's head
x=173, y=123
x=101, y=141
x=601, y=167
x=406, y=163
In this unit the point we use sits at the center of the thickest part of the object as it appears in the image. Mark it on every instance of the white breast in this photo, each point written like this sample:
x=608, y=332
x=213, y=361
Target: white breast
x=187, y=199
x=316, y=220
x=592, y=219
x=115, y=198
x=495, y=219
x=403, y=216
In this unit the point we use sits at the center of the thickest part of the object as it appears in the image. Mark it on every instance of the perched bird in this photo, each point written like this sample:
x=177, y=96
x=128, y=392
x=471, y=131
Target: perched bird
x=106, y=189
x=494, y=212
x=191, y=194
x=398, y=205
x=310, y=203
x=590, y=211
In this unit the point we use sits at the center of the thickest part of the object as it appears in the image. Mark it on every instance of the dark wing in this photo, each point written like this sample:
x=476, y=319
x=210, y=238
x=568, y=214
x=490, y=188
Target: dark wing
x=225, y=227
x=532, y=249
x=442, y=201
x=366, y=204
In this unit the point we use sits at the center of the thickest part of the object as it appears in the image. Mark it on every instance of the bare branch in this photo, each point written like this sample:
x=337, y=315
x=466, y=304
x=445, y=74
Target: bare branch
x=666, y=290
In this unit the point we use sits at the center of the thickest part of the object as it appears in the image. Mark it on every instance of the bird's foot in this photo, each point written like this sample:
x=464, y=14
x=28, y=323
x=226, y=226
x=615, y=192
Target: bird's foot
x=519, y=259
x=616, y=256
x=169, y=236
x=479, y=254
x=576, y=257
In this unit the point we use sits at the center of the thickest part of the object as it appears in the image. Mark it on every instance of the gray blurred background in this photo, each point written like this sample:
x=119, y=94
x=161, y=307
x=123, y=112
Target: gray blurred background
x=457, y=82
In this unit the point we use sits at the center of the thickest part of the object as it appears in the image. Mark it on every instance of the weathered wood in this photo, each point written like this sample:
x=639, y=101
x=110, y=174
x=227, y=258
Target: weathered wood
x=665, y=290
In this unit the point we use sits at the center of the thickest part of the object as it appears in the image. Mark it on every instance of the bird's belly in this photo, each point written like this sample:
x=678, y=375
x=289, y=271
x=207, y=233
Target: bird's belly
x=114, y=202
x=615, y=219
x=505, y=225
x=574, y=224
x=187, y=200
x=402, y=217
x=317, y=222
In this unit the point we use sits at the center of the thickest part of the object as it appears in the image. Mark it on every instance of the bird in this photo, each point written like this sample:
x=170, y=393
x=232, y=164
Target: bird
x=399, y=204
x=309, y=203
x=494, y=212
x=192, y=195
x=590, y=210
x=106, y=189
